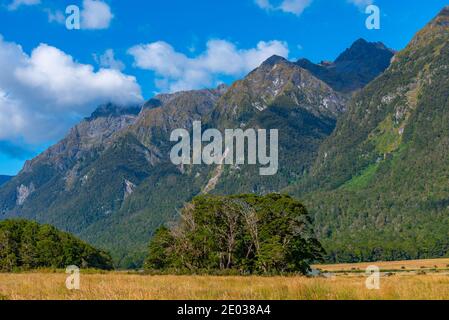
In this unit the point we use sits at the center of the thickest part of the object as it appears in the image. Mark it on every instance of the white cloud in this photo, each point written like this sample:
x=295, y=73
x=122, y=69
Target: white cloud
x=55, y=16
x=108, y=60
x=95, y=14
x=295, y=6
x=361, y=3
x=176, y=71
x=44, y=93
x=289, y=6
x=264, y=4
x=15, y=4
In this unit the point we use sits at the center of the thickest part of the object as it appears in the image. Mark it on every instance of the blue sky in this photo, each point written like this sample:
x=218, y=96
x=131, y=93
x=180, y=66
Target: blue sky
x=130, y=50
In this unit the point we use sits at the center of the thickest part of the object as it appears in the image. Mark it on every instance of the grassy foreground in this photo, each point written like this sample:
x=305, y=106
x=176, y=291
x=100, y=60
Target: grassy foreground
x=348, y=283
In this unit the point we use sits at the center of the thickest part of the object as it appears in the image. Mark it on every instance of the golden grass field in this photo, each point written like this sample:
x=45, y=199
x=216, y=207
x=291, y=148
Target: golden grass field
x=429, y=264
x=402, y=284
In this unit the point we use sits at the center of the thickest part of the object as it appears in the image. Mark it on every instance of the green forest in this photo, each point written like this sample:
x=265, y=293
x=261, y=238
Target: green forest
x=26, y=245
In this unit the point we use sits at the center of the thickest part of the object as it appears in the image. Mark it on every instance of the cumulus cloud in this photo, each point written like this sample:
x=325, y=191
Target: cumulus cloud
x=95, y=14
x=289, y=6
x=44, y=93
x=108, y=60
x=176, y=71
x=15, y=4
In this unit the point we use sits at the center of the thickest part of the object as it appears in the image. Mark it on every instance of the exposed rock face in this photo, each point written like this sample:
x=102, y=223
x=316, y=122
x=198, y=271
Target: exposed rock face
x=23, y=192
x=57, y=170
x=89, y=135
x=129, y=188
x=279, y=78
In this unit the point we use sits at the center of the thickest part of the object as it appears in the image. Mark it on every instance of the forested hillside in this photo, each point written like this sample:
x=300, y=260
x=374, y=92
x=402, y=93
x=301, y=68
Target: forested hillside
x=379, y=187
x=26, y=245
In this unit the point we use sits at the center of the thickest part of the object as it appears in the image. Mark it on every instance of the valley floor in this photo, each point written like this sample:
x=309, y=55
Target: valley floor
x=423, y=279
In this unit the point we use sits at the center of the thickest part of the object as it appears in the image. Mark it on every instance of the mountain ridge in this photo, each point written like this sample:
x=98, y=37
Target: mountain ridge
x=4, y=179
x=354, y=68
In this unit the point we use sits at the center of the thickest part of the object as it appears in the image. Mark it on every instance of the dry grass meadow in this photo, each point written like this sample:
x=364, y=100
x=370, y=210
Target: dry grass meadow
x=416, y=280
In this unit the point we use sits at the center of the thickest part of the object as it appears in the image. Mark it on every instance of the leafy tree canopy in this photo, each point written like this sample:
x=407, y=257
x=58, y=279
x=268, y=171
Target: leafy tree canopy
x=245, y=233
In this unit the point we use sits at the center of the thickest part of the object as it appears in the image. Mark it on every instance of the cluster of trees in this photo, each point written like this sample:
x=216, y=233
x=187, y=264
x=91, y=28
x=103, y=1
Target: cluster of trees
x=245, y=233
x=28, y=245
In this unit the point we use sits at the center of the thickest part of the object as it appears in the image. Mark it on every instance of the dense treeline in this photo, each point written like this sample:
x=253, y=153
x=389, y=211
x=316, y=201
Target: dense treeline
x=244, y=234
x=28, y=245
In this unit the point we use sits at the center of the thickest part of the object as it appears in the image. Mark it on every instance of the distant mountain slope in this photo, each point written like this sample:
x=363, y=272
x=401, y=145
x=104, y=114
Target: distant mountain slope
x=354, y=68
x=4, y=179
x=379, y=187
x=92, y=173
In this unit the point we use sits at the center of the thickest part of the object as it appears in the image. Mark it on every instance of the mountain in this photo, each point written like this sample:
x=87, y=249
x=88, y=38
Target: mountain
x=110, y=181
x=4, y=179
x=277, y=95
x=354, y=68
x=378, y=187
x=157, y=197
x=84, y=183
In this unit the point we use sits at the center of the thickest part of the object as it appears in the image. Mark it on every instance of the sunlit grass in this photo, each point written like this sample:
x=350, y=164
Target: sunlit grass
x=129, y=286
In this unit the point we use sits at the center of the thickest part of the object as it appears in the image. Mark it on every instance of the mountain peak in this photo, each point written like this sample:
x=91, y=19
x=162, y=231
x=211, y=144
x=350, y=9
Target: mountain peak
x=433, y=34
x=442, y=19
x=354, y=68
x=361, y=50
x=113, y=110
x=444, y=12
x=360, y=41
x=274, y=60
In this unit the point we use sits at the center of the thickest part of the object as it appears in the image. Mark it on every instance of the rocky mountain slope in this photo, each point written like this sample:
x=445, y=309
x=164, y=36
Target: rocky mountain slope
x=354, y=68
x=379, y=186
x=111, y=181
x=278, y=95
x=4, y=179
